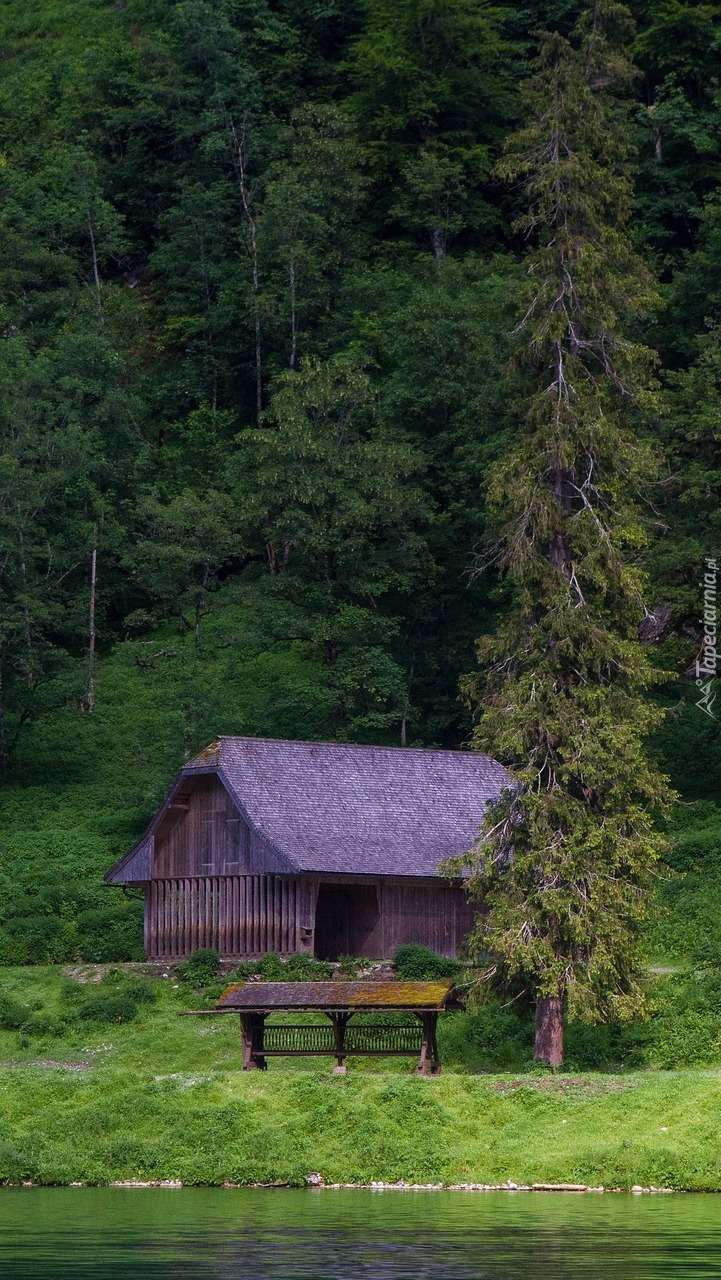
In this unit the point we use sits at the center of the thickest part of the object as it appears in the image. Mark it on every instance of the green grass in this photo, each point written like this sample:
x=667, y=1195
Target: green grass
x=161, y=1097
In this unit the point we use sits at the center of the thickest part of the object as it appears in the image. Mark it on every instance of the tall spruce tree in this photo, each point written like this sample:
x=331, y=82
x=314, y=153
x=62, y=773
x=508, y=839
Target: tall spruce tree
x=565, y=866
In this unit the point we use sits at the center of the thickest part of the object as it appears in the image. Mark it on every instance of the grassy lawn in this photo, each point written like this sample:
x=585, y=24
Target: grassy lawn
x=161, y=1097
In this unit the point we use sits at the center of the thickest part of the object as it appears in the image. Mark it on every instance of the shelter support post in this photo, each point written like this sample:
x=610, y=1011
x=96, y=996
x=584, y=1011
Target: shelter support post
x=340, y=1022
x=251, y=1035
x=430, y=1063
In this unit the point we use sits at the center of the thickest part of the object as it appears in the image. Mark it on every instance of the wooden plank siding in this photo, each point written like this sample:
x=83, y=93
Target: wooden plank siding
x=203, y=834
x=235, y=915
x=371, y=918
x=248, y=915
x=437, y=915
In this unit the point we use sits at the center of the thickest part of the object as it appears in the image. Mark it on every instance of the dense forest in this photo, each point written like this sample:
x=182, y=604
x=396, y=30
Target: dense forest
x=260, y=281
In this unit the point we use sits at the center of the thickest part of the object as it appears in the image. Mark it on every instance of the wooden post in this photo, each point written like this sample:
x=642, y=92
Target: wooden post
x=258, y=1029
x=430, y=1062
x=340, y=1022
x=246, y=1040
x=424, y=1064
x=307, y=900
x=251, y=1037
x=435, y=1056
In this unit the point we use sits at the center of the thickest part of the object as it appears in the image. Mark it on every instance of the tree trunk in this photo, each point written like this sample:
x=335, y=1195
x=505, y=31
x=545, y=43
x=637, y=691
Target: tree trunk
x=4, y=744
x=549, y=1030
x=96, y=268
x=90, y=696
x=293, y=326
x=239, y=150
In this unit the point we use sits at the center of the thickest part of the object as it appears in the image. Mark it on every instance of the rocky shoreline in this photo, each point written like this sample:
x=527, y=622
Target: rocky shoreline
x=315, y=1181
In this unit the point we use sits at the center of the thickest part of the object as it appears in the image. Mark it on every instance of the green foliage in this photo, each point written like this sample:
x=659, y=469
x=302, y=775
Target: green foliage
x=200, y=968
x=111, y=933
x=566, y=868
x=295, y=968
x=274, y=968
x=432, y=93
x=116, y=999
x=416, y=963
x=489, y=1038
x=685, y=1027
x=257, y=295
x=48, y=921
x=686, y=931
x=108, y=1009
x=13, y=1014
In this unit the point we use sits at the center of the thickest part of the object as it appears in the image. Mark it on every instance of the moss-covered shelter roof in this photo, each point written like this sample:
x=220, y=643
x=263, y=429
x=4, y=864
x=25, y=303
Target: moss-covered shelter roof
x=268, y=996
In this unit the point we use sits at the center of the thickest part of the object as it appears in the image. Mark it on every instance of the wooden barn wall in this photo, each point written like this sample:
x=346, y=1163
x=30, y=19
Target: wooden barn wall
x=364, y=918
x=202, y=834
x=438, y=916
x=248, y=915
x=237, y=916
x=136, y=867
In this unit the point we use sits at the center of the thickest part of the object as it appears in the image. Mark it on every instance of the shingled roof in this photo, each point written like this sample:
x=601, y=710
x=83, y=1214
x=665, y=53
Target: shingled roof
x=336, y=808
x=357, y=809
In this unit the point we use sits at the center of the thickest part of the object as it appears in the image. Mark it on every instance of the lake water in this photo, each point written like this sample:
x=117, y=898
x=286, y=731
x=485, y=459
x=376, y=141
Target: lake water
x=114, y=1234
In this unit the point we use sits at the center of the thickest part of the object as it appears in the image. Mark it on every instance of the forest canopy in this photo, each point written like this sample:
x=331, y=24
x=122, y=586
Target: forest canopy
x=259, y=284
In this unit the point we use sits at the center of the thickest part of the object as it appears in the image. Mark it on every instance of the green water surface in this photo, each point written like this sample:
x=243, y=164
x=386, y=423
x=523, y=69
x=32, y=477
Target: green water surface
x=111, y=1234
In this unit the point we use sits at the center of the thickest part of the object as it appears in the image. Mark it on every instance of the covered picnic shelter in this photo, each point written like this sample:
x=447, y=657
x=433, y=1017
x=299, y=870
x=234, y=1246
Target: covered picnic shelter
x=341, y=1037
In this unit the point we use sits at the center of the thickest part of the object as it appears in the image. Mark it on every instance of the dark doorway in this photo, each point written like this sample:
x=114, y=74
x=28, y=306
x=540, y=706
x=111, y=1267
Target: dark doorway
x=345, y=917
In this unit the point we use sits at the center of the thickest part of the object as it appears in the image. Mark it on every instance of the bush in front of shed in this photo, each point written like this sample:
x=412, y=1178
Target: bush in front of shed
x=415, y=963
x=200, y=969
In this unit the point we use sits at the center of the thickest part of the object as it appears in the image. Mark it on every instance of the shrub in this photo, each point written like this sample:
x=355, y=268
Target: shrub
x=698, y=847
x=296, y=968
x=37, y=934
x=132, y=988
x=108, y=1008
x=200, y=969
x=415, y=963
x=213, y=993
x=12, y=950
x=13, y=1014
x=606, y=1047
x=16, y=1163
x=489, y=1038
x=44, y=1023
x=245, y=970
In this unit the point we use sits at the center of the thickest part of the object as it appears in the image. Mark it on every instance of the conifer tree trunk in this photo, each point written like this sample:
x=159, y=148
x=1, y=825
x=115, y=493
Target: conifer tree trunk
x=548, y=1045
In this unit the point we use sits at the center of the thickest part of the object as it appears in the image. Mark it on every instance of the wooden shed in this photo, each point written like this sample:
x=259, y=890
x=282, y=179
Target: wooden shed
x=267, y=845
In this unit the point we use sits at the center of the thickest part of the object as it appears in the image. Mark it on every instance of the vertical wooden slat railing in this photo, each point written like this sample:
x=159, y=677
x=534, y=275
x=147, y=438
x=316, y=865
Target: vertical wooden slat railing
x=240, y=938
x=243, y=915
x=255, y=917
